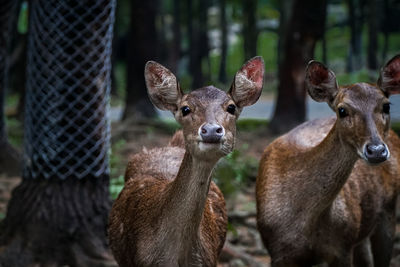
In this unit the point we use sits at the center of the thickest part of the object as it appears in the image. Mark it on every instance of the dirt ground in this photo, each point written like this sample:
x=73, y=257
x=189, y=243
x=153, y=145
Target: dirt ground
x=243, y=246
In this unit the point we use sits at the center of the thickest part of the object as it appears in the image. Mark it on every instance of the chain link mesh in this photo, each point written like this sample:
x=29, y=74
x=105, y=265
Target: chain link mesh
x=67, y=129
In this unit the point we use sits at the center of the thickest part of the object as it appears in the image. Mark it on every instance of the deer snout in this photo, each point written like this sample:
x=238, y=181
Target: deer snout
x=376, y=153
x=211, y=133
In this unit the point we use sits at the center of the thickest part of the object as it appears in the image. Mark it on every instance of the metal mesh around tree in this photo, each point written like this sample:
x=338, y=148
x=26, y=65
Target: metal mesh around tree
x=67, y=128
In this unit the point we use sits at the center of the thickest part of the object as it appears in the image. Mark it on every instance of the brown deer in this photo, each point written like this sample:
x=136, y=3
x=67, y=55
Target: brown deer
x=326, y=191
x=169, y=212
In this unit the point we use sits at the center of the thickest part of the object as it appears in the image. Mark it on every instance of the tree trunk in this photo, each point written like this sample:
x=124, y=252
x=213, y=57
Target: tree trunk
x=18, y=72
x=198, y=40
x=224, y=42
x=372, y=34
x=250, y=31
x=57, y=216
x=142, y=48
x=385, y=30
x=175, y=53
x=10, y=159
x=354, y=61
x=305, y=28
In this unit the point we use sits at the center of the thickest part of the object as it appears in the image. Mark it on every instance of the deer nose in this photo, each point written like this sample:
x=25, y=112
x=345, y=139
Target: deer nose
x=376, y=153
x=211, y=133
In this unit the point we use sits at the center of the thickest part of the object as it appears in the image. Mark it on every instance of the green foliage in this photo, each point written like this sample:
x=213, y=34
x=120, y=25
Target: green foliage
x=267, y=47
x=116, y=186
x=251, y=124
x=396, y=127
x=116, y=168
x=354, y=77
x=337, y=42
x=122, y=16
x=15, y=127
x=23, y=18
x=235, y=59
x=121, y=83
x=235, y=171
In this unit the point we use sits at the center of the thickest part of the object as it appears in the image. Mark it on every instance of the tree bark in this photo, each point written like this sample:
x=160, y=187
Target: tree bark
x=176, y=42
x=305, y=28
x=372, y=35
x=10, y=159
x=354, y=60
x=198, y=41
x=142, y=48
x=224, y=42
x=61, y=220
x=250, y=31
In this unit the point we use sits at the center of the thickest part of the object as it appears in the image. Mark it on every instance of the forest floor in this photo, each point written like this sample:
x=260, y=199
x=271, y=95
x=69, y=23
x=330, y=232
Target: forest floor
x=243, y=245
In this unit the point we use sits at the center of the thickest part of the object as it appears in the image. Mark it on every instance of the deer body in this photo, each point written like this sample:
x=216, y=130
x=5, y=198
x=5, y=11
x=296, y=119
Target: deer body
x=169, y=212
x=317, y=200
x=159, y=192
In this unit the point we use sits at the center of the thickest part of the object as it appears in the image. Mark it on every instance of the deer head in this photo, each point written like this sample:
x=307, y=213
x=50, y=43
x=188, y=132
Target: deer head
x=208, y=115
x=362, y=109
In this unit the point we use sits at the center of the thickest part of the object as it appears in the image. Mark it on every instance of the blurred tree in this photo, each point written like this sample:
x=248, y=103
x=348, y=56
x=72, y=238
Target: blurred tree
x=250, y=31
x=9, y=158
x=142, y=48
x=175, y=52
x=57, y=216
x=18, y=71
x=224, y=41
x=198, y=40
x=356, y=20
x=390, y=23
x=304, y=28
x=373, y=20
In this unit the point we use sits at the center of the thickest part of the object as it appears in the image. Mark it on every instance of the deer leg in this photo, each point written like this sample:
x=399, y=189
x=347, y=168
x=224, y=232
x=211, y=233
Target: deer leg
x=382, y=240
x=362, y=254
x=343, y=261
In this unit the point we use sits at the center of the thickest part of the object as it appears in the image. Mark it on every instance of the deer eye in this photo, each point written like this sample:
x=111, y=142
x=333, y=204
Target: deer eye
x=342, y=112
x=386, y=108
x=185, y=110
x=231, y=109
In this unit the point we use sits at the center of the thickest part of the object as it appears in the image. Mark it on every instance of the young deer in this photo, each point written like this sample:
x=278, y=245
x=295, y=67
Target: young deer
x=169, y=212
x=326, y=191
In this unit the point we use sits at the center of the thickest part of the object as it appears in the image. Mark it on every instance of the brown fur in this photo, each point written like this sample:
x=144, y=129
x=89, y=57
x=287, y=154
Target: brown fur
x=317, y=201
x=144, y=195
x=169, y=212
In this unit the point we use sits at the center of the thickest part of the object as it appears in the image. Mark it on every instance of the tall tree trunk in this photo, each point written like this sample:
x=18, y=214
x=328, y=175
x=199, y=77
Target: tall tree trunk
x=354, y=59
x=385, y=30
x=57, y=216
x=142, y=48
x=198, y=40
x=18, y=72
x=372, y=34
x=250, y=31
x=9, y=157
x=305, y=28
x=224, y=41
x=175, y=53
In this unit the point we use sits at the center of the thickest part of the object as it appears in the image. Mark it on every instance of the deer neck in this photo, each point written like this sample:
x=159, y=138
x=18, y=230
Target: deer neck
x=329, y=166
x=186, y=197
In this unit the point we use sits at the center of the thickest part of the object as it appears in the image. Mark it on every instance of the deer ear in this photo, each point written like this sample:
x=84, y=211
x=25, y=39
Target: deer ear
x=389, y=79
x=321, y=82
x=162, y=86
x=248, y=82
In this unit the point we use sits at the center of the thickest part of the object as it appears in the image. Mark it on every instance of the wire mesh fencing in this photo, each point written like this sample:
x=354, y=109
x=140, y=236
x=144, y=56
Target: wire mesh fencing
x=67, y=129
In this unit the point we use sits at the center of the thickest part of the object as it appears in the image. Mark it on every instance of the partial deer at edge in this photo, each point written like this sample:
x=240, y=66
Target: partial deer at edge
x=169, y=212
x=326, y=191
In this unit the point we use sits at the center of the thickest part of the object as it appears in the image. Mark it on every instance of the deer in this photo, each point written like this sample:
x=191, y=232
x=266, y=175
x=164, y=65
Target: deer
x=169, y=212
x=326, y=190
